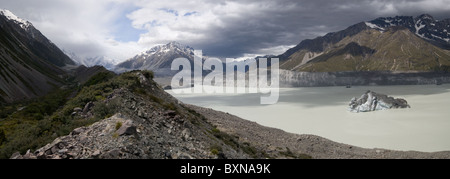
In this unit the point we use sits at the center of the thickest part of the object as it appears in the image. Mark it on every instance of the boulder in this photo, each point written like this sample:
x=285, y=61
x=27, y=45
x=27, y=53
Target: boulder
x=77, y=110
x=127, y=128
x=171, y=113
x=88, y=107
x=78, y=131
x=371, y=101
x=16, y=156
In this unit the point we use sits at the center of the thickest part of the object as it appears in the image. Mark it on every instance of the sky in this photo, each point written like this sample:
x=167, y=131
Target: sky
x=120, y=29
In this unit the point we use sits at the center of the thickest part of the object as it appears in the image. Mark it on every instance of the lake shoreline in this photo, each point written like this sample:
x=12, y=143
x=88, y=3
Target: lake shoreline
x=275, y=141
x=323, y=111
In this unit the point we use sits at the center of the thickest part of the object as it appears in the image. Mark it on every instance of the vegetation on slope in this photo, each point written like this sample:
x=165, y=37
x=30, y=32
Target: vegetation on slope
x=32, y=124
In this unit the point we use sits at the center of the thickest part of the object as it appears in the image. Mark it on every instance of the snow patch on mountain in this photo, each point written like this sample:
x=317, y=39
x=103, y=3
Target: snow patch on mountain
x=374, y=26
x=444, y=39
x=418, y=27
x=12, y=17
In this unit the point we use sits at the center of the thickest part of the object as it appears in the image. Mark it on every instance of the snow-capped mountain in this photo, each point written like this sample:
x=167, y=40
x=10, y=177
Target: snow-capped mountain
x=10, y=16
x=158, y=59
x=424, y=26
x=104, y=61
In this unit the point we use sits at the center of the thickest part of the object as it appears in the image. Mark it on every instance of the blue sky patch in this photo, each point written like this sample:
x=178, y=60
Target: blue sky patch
x=124, y=31
x=190, y=13
x=171, y=11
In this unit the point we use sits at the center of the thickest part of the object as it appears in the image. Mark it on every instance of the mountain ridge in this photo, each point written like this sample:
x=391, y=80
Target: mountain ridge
x=415, y=32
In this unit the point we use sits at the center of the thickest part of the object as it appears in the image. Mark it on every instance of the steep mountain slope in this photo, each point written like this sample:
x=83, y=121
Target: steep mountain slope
x=385, y=44
x=30, y=65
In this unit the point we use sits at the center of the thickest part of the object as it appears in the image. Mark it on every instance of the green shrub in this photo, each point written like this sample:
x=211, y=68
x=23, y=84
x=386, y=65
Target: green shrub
x=118, y=125
x=215, y=149
x=140, y=91
x=148, y=74
x=99, y=78
x=101, y=110
x=155, y=99
x=2, y=136
x=48, y=117
x=170, y=106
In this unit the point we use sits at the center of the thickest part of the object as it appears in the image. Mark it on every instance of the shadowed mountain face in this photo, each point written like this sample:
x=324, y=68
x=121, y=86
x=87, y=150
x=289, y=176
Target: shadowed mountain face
x=30, y=64
x=385, y=44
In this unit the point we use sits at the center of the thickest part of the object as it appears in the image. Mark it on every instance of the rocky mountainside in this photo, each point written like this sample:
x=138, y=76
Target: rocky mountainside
x=135, y=118
x=158, y=59
x=424, y=26
x=384, y=44
x=30, y=64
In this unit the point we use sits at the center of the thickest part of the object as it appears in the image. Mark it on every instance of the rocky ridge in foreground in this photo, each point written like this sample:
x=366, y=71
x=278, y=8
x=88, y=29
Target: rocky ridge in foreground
x=147, y=124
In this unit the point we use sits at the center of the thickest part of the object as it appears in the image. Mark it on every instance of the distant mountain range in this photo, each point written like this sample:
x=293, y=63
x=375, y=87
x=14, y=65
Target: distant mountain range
x=401, y=43
x=31, y=65
x=104, y=61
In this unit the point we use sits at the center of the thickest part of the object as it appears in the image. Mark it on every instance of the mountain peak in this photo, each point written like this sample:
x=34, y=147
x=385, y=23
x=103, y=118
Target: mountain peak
x=158, y=58
x=12, y=17
x=426, y=17
x=171, y=46
x=174, y=45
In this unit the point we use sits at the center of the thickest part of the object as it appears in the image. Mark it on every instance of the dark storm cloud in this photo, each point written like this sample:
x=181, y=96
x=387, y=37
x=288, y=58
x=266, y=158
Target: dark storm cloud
x=232, y=28
x=291, y=21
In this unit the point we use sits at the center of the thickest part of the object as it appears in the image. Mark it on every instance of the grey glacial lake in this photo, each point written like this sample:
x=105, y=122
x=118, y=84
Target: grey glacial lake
x=323, y=111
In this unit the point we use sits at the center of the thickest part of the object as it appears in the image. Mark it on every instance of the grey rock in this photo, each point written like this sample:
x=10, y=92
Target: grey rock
x=186, y=134
x=113, y=154
x=77, y=110
x=127, y=128
x=29, y=155
x=78, y=131
x=62, y=151
x=96, y=153
x=16, y=156
x=88, y=107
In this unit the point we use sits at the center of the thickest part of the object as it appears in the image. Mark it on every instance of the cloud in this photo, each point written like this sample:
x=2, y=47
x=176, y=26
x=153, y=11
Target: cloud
x=86, y=27
x=225, y=29
x=238, y=28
